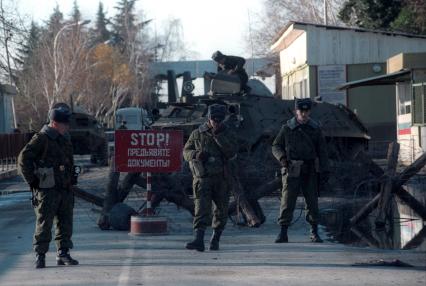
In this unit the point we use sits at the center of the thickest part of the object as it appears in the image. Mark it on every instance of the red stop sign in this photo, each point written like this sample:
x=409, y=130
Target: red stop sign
x=155, y=151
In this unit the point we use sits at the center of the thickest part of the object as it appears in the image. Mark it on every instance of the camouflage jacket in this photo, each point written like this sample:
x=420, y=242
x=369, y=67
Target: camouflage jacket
x=221, y=148
x=305, y=142
x=48, y=148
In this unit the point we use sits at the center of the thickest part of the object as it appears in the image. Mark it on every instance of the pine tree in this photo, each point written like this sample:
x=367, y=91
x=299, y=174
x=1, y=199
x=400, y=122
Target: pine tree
x=124, y=21
x=101, y=32
x=76, y=14
x=412, y=18
x=26, y=51
x=370, y=14
x=55, y=21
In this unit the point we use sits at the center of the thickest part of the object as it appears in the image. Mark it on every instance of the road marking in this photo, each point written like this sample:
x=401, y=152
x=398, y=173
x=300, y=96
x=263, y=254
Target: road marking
x=123, y=280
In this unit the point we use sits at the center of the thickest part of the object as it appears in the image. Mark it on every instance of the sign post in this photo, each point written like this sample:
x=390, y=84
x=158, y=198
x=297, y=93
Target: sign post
x=148, y=210
x=150, y=151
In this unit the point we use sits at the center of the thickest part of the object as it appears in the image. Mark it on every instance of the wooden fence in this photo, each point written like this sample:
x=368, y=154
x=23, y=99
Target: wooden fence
x=10, y=146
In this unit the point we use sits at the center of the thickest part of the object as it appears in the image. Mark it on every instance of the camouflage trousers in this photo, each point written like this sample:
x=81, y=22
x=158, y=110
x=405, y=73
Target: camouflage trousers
x=53, y=206
x=207, y=190
x=307, y=183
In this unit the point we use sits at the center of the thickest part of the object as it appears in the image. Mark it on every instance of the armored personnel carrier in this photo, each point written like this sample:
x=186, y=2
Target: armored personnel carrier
x=256, y=119
x=87, y=135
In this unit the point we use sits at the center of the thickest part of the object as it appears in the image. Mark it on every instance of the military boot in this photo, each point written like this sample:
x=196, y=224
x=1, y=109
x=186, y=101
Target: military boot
x=63, y=257
x=198, y=242
x=214, y=241
x=314, y=234
x=282, y=236
x=40, y=260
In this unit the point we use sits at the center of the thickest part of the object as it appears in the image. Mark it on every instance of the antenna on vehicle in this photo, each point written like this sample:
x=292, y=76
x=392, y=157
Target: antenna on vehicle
x=251, y=43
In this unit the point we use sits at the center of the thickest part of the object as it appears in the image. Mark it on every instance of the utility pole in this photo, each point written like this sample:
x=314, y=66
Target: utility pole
x=325, y=13
x=55, y=60
x=251, y=43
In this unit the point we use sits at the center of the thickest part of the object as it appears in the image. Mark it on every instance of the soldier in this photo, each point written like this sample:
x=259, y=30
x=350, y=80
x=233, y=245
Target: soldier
x=232, y=65
x=207, y=150
x=301, y=150
x=46, y=164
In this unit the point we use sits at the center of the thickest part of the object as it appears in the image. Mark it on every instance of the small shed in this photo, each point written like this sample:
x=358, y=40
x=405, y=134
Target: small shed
x=406, y=73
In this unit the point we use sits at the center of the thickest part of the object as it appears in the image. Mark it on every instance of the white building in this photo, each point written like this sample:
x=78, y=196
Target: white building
x=315, y=59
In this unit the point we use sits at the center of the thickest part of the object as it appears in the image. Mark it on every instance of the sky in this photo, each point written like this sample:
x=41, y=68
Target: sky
x=208, y=25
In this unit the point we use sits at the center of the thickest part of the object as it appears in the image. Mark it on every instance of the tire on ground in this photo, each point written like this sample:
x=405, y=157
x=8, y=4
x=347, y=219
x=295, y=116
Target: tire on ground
x=119, y=216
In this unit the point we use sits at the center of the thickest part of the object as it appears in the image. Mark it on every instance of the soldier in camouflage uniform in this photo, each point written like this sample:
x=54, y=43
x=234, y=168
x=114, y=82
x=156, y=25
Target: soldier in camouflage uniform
x=208, y=150
x=46, y=164
x=302, y=152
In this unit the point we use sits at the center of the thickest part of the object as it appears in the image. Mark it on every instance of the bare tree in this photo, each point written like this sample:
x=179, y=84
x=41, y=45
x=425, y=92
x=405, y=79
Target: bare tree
x=277, y=13
x=101, y=76
x=171, y=42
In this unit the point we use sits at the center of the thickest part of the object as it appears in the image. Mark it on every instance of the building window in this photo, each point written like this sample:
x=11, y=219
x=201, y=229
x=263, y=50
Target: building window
x=419, y=103
x=299, y=89
x=404, y=98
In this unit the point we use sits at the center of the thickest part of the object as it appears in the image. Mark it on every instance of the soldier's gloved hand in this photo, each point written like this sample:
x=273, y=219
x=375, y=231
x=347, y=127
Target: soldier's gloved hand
x=35, y=184
x=74, y=180
x=202, y=156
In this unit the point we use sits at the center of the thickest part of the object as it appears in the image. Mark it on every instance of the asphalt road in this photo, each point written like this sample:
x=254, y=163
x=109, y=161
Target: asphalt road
x=247, y=256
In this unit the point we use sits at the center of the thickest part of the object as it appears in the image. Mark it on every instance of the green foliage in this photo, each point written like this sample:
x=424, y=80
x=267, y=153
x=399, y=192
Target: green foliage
x=55, y=19
x=26, y=51
x=393, y=15
x=101, y=31
x=75, y=14
x=370, y=14
x=412, y=18
x=124, y=21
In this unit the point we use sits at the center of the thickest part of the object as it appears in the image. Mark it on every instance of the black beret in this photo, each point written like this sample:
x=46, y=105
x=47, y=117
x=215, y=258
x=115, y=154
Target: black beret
x=217, y=111
x=303, y=104
x=60, y=114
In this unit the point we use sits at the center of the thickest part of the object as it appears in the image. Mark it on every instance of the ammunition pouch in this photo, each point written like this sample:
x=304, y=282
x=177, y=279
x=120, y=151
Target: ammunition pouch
x=46, y=176
x=197, y=168
x=294, y=168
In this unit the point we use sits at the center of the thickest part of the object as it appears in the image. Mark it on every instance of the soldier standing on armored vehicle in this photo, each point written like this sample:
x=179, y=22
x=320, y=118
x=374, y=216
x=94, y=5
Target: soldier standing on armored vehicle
x=47, y=165
x=208, y=150
x=232, y=65
x=301, y=149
